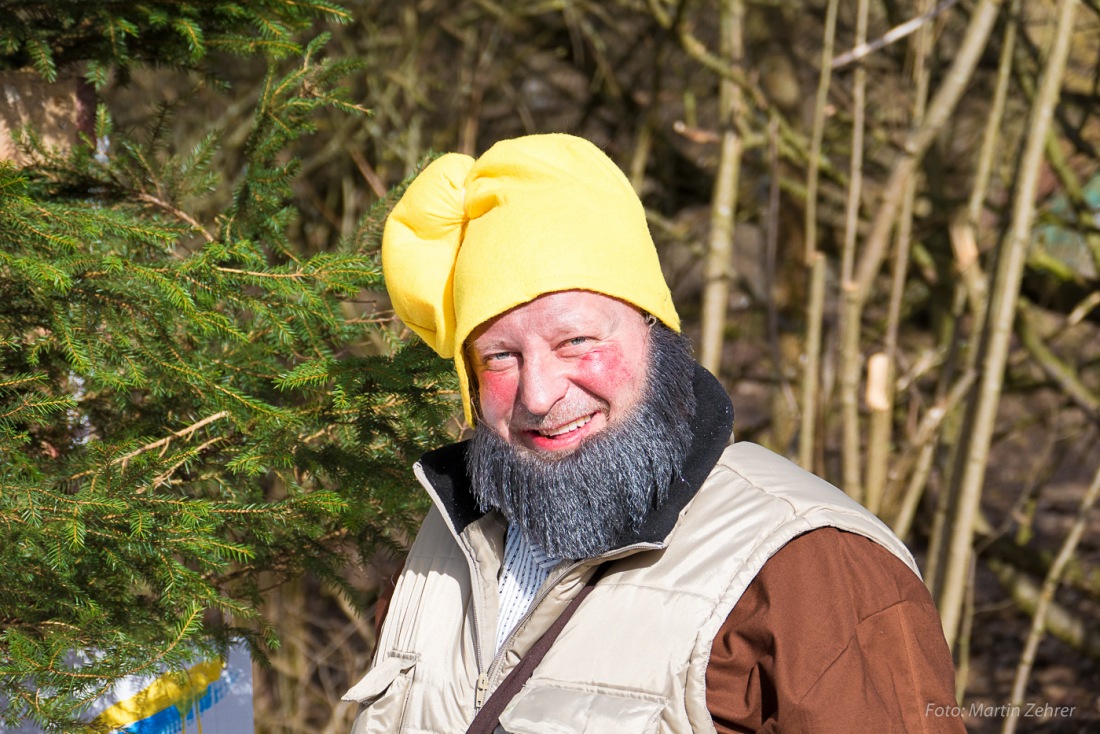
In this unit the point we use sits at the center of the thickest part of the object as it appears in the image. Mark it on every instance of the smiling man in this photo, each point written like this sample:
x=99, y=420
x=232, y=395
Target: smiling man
x=600, y=556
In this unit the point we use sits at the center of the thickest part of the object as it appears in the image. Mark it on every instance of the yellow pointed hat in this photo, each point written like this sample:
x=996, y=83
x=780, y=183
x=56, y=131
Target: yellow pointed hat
x=471, y=239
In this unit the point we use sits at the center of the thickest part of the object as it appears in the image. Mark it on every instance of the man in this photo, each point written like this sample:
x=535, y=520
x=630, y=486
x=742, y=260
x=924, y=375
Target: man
x=735, y=591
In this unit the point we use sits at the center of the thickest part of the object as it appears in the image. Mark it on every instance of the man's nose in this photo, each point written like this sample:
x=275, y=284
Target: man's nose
x=542, y=384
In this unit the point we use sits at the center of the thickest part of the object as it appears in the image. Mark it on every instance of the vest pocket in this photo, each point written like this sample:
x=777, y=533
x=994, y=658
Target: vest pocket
x=568, y=708
x=384, y=692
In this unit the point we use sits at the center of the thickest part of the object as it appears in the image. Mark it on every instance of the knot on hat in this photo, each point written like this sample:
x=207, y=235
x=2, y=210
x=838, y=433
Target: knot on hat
x=419, y=246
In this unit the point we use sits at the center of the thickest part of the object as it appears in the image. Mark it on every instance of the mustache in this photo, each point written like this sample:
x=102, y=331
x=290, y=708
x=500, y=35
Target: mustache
x=564, y=411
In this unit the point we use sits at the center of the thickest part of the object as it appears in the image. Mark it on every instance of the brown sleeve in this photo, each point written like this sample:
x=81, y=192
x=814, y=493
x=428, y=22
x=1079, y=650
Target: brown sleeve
x=833, y=634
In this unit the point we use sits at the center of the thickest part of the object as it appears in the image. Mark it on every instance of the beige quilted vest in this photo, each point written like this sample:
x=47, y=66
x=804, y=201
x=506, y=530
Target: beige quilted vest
x=634, y=656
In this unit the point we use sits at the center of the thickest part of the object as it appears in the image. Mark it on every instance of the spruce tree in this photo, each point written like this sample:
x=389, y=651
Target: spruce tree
x=186, y=416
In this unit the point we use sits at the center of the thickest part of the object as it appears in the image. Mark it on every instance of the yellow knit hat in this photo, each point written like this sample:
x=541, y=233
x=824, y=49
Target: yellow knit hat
x=471, y=239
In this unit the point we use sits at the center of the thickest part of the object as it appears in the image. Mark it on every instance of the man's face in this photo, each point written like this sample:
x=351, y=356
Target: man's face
x=559, y=369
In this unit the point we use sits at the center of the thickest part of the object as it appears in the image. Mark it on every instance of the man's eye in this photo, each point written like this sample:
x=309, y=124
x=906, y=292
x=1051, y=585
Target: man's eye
x=576, y=345
x=497, y=357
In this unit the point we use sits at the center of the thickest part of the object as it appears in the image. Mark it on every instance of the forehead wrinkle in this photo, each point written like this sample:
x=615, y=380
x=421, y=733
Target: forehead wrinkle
x=557, y=320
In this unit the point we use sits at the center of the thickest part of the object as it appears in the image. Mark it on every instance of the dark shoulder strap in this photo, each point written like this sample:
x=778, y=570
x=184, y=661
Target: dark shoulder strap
x=489, y=716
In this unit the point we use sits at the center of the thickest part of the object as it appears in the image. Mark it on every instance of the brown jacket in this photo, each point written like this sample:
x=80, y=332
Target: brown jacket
x=813, y=643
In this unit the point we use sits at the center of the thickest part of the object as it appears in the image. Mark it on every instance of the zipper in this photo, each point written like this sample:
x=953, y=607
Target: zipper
x=475, y=587
x=476, y=614
x=482, y=691
x=547, y=587
x=486, y=676
x=550, y=583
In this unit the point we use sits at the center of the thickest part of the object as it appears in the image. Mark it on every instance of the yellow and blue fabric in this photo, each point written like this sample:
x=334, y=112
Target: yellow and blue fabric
x=211, y=696
x=473, y=238
x=166, y=703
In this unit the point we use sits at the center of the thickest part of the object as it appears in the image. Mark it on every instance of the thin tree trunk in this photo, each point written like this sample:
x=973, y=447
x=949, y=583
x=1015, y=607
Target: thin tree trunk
x=978, y=427
x=879, y=376
x=851, y=361
x=814, y=318
x=880, y=436
x=813, y=168
x=815, y=260
x=1046, y=597
x=993, y=124
x=718, y=269
x=964, y=242
x=962, y=669
x=784, y=402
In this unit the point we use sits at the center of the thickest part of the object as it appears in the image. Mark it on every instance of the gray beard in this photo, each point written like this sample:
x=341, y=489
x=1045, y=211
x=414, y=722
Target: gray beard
x=596, y=497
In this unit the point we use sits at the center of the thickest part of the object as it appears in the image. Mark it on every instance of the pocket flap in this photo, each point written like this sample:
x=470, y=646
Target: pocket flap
x=544, y=708
x=378, y=679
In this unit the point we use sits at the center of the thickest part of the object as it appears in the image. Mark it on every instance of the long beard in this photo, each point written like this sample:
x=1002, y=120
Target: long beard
x=596, y=497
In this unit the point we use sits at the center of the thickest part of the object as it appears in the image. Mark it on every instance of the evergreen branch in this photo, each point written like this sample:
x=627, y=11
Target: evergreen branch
x=133, y=333
x=183, y=631
x=330, y=10
x=40, y=407
x=192, y=32
x=182, y=433
x=163, y=477
x=43, y=59
x=245, y=45
x=255, y=274
x=23, y=379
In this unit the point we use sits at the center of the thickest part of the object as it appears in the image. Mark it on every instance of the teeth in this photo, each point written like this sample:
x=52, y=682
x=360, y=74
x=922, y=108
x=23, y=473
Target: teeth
x=567, y=427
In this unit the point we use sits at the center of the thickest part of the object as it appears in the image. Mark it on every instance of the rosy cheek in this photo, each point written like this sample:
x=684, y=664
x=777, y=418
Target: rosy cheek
x=608, y=369
x=497, y=393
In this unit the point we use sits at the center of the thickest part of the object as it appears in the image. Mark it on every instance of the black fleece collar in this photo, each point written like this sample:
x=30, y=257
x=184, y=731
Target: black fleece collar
x=711, y=427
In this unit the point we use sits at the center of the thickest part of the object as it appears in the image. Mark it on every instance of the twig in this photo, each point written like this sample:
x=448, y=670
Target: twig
x=1046, y=597
x=939, y=110
x=770, y=256
x=1054, y=368
x=962, y=672
x=182, y=433
x=951, y=345
x=814, y=259
x=969, y=473
x=718, y=265
x=176, y=212
x=820, y=100
x=896, y=33
x=993, y=122
x=1083, y=308
x=256, y=274
x=850, y=356
x=193, y=452
x=965, y=247
x=882, y=424
x=1060, y=622
x=923, y=442
x=880, y=403
x=810, y=376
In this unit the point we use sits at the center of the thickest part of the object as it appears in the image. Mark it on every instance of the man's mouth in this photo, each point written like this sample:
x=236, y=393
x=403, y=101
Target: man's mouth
x=567, y=428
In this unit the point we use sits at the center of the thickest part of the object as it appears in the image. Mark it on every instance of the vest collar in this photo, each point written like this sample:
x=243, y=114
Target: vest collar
x=711, y=430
